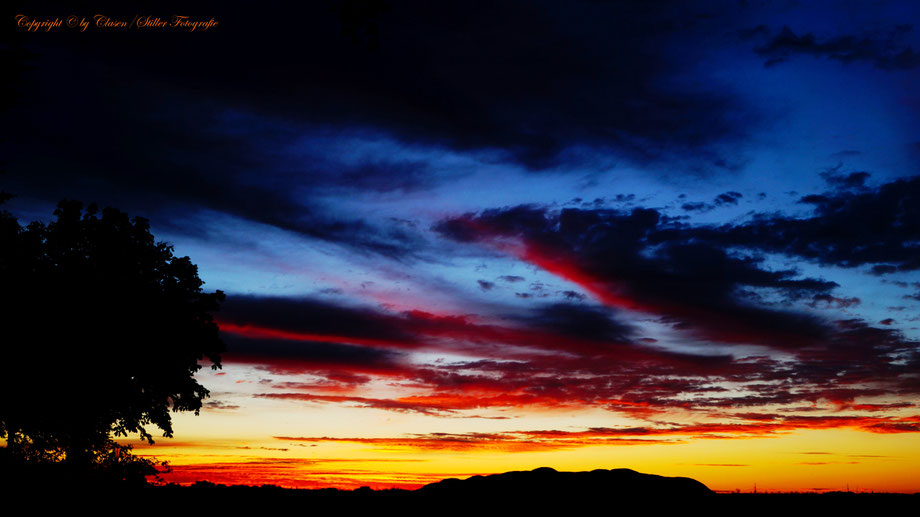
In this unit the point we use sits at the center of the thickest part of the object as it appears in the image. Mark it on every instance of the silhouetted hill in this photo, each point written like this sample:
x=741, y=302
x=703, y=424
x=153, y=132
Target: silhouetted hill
x=546, y=483
x=543, y=491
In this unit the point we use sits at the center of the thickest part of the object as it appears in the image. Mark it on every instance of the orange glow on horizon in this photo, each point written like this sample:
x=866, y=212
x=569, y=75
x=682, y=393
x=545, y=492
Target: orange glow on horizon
x=806, y=461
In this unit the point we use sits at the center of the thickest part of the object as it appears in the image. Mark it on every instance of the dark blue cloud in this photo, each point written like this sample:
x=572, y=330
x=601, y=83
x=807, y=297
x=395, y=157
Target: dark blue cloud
x=655, y=265
x=878, y=227
x=883, y=50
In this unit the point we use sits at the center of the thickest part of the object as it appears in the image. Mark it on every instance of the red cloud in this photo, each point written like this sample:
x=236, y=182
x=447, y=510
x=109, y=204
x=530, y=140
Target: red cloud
x=540, y=440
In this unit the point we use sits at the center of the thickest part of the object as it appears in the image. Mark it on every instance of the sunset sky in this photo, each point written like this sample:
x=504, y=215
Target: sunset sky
x=676, y=237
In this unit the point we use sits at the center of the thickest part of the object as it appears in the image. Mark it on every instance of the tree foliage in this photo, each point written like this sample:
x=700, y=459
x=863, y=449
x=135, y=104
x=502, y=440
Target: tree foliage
x=102, y=332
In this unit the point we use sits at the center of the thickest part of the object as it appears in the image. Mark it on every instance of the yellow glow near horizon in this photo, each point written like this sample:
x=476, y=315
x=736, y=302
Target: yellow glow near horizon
x=803, y=460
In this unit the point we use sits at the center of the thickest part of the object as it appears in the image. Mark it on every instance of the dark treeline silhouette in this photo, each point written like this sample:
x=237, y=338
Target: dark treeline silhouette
x=543, y=491
x=102, y=330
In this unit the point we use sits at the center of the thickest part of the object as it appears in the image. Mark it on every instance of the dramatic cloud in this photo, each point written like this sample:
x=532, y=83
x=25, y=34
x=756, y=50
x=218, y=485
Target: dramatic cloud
x=504, y=442
x=728, y=198
x=529, y=441
x=289, y=112
x=884, y=51
x=292, y=355
x=554, y=356
x=878, y=228
x=710, y=283
x=637, y=261
x=703, y=282
x=312, y=316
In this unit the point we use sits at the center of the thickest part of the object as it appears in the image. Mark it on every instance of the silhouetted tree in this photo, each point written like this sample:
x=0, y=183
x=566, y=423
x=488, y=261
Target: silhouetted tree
x=101, y=332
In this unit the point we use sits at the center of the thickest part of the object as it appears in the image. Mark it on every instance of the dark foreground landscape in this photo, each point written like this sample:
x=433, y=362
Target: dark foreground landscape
x=541, y=490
